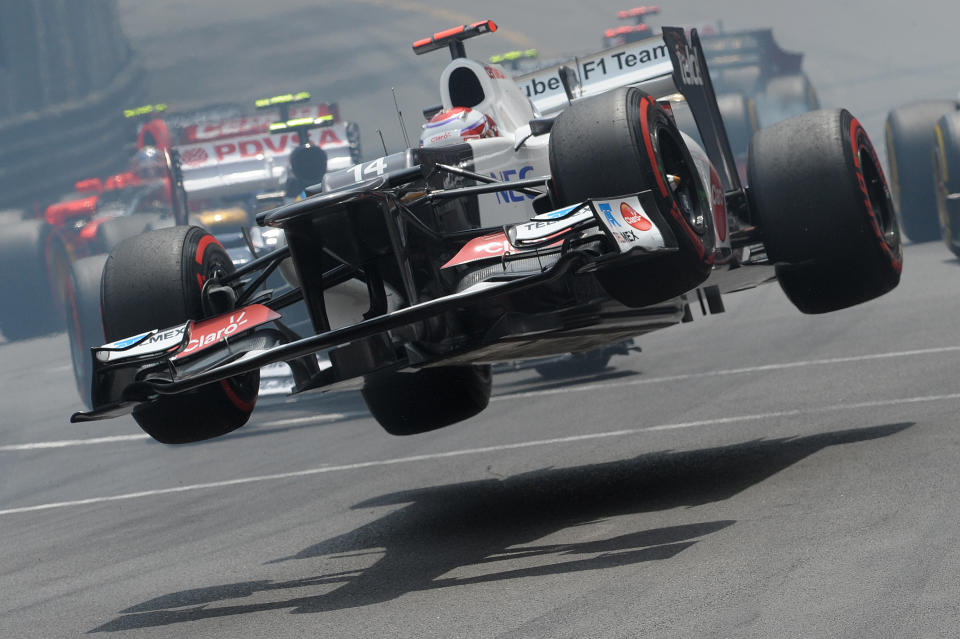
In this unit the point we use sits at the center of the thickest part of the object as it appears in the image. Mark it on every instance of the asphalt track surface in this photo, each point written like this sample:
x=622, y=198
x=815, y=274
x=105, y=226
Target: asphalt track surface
x=757, y=473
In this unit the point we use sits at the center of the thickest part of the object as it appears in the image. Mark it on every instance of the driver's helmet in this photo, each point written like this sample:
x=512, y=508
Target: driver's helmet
x=308, y=163
x=148, y=164
x=456, y=125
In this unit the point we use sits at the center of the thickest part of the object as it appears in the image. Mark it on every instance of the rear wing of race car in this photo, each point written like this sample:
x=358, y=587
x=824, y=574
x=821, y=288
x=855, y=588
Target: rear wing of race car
x=692, y=78
x=250, y=154
x=750, y=48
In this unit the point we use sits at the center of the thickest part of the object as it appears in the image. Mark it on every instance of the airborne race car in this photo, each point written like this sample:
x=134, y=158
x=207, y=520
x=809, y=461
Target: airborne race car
x=614, y=217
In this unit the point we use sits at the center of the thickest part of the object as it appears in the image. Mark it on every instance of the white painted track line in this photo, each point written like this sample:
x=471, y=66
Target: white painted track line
x=729, y=371
x=311, y=419
x=485, y=449
x=66, y=443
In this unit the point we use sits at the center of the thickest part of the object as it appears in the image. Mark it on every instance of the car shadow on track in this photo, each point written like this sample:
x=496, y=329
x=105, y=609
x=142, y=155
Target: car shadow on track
x=491, y=528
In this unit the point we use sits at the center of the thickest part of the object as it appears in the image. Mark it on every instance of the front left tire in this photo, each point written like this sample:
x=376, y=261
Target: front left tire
x=154, y=280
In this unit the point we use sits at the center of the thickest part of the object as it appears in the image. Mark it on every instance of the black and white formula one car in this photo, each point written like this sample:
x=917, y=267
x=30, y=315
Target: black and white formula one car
x=614, y=217
x=923, y=155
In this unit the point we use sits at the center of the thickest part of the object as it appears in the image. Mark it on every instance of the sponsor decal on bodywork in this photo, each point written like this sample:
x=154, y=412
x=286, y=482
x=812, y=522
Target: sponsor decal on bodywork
x=208, y=332
x=633, y=218
x=156, y=341
x=261, y=145
x=629, y=225
x=511, y=175
x=552, y=215
x=719, y=201
x=482, y=248
x=537, y=230
x=258, y=123
x=627, y=64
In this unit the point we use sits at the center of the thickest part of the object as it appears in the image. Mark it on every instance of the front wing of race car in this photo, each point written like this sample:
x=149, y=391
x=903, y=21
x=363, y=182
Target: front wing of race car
x=178, y=359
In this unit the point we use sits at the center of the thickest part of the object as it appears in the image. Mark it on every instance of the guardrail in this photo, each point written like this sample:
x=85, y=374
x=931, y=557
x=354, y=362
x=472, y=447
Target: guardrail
x=43, y=152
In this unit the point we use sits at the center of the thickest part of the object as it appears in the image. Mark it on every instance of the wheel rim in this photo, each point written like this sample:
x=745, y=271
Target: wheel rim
x=689, y=193
x=879, y=197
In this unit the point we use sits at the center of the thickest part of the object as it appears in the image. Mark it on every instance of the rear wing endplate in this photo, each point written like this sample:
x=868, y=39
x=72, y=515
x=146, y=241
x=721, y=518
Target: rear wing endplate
x=692, y=79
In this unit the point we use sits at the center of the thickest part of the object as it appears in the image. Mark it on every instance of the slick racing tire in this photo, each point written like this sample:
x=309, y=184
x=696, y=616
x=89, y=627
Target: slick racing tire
x=621, y=142
x=28, y=308
x=825, y=212
x=589, y=363
x=111, y=232
x=909, y=134
x=946, y=165
x=785, y=97
x=84, y=326
x=430, y=398
x=153, y=281
x=740, y=120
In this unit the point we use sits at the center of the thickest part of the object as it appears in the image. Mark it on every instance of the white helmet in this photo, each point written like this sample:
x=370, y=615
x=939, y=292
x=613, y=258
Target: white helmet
x=454, y=126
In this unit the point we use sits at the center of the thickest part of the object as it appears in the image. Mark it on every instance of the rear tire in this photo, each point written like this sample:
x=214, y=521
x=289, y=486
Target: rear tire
x=619, y=143
x=84, y=325
x=946, y=165
x=430, y=398
x=153, y=281
x=29, y=308
x=825, y=211
x=910, y=141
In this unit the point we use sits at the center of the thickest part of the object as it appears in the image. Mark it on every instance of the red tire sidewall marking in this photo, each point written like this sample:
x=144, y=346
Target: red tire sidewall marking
x=225, y=384
x=202, y=247
x=235, y=399
x=859, y=141
x=648, y=144
x=205, y=241
x=645, y=103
